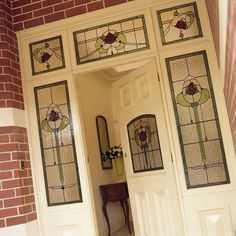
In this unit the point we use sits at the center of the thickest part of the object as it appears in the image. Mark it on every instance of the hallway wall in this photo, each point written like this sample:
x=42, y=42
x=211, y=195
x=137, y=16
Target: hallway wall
x=94, y=100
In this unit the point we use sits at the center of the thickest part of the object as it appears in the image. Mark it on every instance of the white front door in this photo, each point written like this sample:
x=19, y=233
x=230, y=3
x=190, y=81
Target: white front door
x=150, y=175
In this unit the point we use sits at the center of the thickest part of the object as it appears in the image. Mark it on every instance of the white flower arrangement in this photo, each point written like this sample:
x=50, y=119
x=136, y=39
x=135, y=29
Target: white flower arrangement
x=112, y=153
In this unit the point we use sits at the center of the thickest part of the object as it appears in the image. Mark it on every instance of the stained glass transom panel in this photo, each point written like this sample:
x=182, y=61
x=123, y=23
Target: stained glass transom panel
x=144, y=144
x=57, y=144
x=108, y=40
x=197, y=120
x=47, y=55
x=179, y=23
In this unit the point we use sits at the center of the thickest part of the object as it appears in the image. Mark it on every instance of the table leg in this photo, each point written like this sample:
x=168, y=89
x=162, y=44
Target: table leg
x=123, y=207
x=127, y=214
x=107, y=219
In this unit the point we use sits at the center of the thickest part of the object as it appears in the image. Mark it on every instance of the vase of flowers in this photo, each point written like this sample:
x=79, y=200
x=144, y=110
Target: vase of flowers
x=115, y=154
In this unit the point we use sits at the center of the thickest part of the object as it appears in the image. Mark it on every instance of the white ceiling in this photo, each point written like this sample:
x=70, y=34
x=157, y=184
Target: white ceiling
x=115, y=72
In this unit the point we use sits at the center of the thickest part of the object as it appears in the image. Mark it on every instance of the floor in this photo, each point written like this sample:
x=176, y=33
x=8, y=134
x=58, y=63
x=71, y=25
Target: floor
x=124, y=232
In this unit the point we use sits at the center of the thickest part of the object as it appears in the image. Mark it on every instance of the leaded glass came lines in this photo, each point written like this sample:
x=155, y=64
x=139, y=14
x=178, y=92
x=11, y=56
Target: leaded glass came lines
x=108, y=40
x=179, y=23
x=57, y=144
x=47, y=55
x=197, y=120
x=144, y=144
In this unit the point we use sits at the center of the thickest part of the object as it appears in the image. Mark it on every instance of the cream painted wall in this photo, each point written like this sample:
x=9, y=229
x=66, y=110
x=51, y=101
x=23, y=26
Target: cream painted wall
x=28, y=229
x=12, y=117
x=93, y=96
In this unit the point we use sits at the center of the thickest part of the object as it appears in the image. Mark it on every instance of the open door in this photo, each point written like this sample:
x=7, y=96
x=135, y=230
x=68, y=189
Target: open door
x=155, y=206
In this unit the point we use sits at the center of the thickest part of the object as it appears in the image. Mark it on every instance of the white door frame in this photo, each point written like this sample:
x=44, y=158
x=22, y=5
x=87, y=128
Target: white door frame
x=148, y=8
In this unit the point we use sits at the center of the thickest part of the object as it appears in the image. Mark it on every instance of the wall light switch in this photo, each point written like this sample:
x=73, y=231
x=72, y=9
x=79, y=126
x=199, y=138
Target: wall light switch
x=22, y=165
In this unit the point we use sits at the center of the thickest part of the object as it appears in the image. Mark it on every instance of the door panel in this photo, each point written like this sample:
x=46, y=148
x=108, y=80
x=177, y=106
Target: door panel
x=69, y=218
x=153, y=192
x=201, y=204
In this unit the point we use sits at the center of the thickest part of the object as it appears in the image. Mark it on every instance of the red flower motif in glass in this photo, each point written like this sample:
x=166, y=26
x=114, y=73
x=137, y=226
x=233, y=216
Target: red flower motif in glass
x=142, y=136
x=191, y=89
x=110, y=38
x=181, y=24
x=45, y=57
x=53, y=116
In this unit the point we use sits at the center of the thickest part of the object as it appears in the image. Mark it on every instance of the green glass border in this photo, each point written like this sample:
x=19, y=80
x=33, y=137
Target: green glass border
x=174, y=8
x=72, y=138
x=108, y=24
x=167, y=60
x=47, y=40
x=128, y=125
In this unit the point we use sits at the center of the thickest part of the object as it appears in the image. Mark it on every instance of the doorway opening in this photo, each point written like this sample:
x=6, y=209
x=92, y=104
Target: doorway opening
x=95, y=99
x=120, y=94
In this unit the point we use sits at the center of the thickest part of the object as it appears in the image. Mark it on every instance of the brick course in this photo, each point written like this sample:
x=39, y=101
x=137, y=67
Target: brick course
x=26, y=13
x=10, y=81
x=17, y=204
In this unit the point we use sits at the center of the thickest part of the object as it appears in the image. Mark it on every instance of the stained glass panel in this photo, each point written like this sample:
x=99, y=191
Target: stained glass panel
x=197, y=120
x=108, y=40
x=144, y=144
x=179, y=23
x=47, y=55
x=57, y=144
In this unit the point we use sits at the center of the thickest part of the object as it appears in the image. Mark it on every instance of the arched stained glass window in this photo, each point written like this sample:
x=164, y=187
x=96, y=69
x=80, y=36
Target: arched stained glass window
x=197, y=120
x=144, y=144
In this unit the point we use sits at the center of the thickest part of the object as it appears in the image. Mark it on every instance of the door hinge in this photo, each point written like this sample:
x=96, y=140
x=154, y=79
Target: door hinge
x=158, y=76
x=171, y=157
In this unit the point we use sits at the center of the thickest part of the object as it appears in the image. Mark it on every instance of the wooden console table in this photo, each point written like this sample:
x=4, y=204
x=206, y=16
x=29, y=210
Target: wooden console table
x=114, y=193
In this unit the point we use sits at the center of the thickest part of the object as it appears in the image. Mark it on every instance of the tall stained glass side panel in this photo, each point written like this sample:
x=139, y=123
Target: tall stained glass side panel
x=57, y=144
x=179, y=23
x=112, y=39
x=144, y=144
x=197, y=120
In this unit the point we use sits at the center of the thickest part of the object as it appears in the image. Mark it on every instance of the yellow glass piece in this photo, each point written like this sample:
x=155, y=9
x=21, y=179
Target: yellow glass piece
x=122, y=40
x=99, y=46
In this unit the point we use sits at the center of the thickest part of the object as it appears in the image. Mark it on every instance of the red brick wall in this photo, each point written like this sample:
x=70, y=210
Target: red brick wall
x=30, y=13
x=213, y=12
x=17, y=203
x=10, y=78
x=16, y=191
x=230, y=67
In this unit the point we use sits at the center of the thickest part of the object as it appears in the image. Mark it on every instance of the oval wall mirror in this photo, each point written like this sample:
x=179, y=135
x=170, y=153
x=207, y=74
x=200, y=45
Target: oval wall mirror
x=103, y=140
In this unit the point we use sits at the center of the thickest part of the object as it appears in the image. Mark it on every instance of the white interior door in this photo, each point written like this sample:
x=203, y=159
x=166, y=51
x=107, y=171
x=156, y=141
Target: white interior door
x=150, y=175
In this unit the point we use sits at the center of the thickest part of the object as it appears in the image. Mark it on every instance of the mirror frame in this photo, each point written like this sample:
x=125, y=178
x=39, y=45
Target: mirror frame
x=108, y=163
